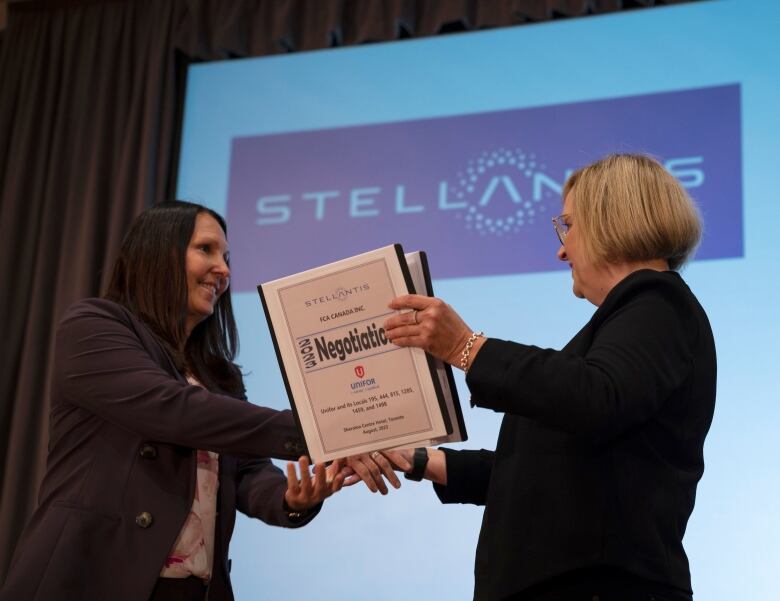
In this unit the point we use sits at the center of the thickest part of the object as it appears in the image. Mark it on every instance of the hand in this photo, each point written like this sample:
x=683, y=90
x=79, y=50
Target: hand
x=435, y=470
x=372, y=469
x=400, y=459
x=307, y=492
x=433, y=326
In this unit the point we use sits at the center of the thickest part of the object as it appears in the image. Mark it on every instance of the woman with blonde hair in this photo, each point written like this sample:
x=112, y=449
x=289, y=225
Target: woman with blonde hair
x=589, y=490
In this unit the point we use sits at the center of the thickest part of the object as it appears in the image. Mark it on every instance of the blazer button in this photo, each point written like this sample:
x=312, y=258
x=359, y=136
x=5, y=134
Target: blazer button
x=148, y=452
x=144, y=519
x=293, y=446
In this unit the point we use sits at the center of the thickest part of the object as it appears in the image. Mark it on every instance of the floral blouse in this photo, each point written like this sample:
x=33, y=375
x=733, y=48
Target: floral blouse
x=192, y=553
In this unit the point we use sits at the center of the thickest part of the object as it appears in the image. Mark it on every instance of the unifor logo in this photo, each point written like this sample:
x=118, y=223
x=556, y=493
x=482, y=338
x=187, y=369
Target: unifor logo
x=360, y=371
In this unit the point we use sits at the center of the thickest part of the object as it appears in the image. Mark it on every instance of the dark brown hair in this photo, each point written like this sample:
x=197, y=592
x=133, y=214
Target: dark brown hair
x=150, y=280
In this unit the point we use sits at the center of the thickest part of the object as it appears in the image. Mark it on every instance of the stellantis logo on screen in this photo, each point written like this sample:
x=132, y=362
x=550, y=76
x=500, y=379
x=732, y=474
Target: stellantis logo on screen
x=477, y=192
x=492, y=176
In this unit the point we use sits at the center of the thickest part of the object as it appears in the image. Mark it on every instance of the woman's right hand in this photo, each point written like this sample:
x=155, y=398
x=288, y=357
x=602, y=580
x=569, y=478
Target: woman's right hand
x=432, y=325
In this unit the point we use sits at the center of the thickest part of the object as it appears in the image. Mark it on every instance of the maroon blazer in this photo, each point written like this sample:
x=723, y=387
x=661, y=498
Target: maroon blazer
x=121, y=467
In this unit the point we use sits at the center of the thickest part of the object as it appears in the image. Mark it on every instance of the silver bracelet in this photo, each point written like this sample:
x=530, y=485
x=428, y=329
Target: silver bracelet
x=464, y=356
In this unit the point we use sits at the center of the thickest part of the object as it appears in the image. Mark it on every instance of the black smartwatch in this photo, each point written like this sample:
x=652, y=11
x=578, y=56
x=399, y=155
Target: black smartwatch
x=419, y=462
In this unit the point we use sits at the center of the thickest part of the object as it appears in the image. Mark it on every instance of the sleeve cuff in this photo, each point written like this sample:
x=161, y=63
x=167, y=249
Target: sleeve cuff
x=468, y=476
x=296, y=519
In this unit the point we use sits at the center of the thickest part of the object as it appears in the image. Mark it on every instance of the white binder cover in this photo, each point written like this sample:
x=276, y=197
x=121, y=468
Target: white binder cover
x=352, y=391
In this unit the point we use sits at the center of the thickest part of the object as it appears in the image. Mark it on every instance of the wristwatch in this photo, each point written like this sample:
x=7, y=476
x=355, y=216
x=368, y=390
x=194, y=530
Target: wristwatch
x=419, y=462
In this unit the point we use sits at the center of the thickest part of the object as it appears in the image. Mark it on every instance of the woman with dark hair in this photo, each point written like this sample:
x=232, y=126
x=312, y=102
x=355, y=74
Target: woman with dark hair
x=589, y=490
x=153, y=445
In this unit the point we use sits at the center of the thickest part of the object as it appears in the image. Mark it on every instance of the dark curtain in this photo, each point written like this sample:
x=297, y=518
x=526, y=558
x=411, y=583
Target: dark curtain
x=88, y=105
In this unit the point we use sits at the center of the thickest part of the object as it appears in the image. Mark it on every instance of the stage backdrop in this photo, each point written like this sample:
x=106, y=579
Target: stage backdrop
x=459, y=146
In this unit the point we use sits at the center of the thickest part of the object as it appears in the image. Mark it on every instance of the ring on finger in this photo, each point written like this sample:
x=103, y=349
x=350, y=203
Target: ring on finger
x=374, y=454
x=414, y=314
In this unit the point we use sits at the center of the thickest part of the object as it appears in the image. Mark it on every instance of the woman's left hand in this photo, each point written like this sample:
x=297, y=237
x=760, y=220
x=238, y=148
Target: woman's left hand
x=372, y=468
x=432, y=325
x=310, y=491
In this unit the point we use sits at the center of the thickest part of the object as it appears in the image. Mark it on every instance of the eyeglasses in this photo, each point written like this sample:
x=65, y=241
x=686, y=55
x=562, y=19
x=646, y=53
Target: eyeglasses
x=561, y=227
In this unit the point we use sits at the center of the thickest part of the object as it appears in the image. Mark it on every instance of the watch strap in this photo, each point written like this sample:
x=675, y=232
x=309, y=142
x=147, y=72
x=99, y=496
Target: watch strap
x=419, y=463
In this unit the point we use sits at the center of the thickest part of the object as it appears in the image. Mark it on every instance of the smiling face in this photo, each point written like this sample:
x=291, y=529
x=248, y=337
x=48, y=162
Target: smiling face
x=208, y=274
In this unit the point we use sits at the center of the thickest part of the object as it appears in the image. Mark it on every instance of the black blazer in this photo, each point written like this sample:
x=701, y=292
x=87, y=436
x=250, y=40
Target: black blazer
x=122, y=462
x=601, y=447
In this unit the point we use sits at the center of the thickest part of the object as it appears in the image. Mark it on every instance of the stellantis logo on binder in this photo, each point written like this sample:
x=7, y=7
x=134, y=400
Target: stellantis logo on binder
x=477, y=192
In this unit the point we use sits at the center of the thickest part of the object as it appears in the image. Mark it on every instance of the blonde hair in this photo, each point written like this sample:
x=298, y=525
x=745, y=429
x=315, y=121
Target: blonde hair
x=628, y=208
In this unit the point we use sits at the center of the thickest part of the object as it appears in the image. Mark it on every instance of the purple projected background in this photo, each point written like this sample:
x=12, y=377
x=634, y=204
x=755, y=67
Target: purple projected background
x=476, y=192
